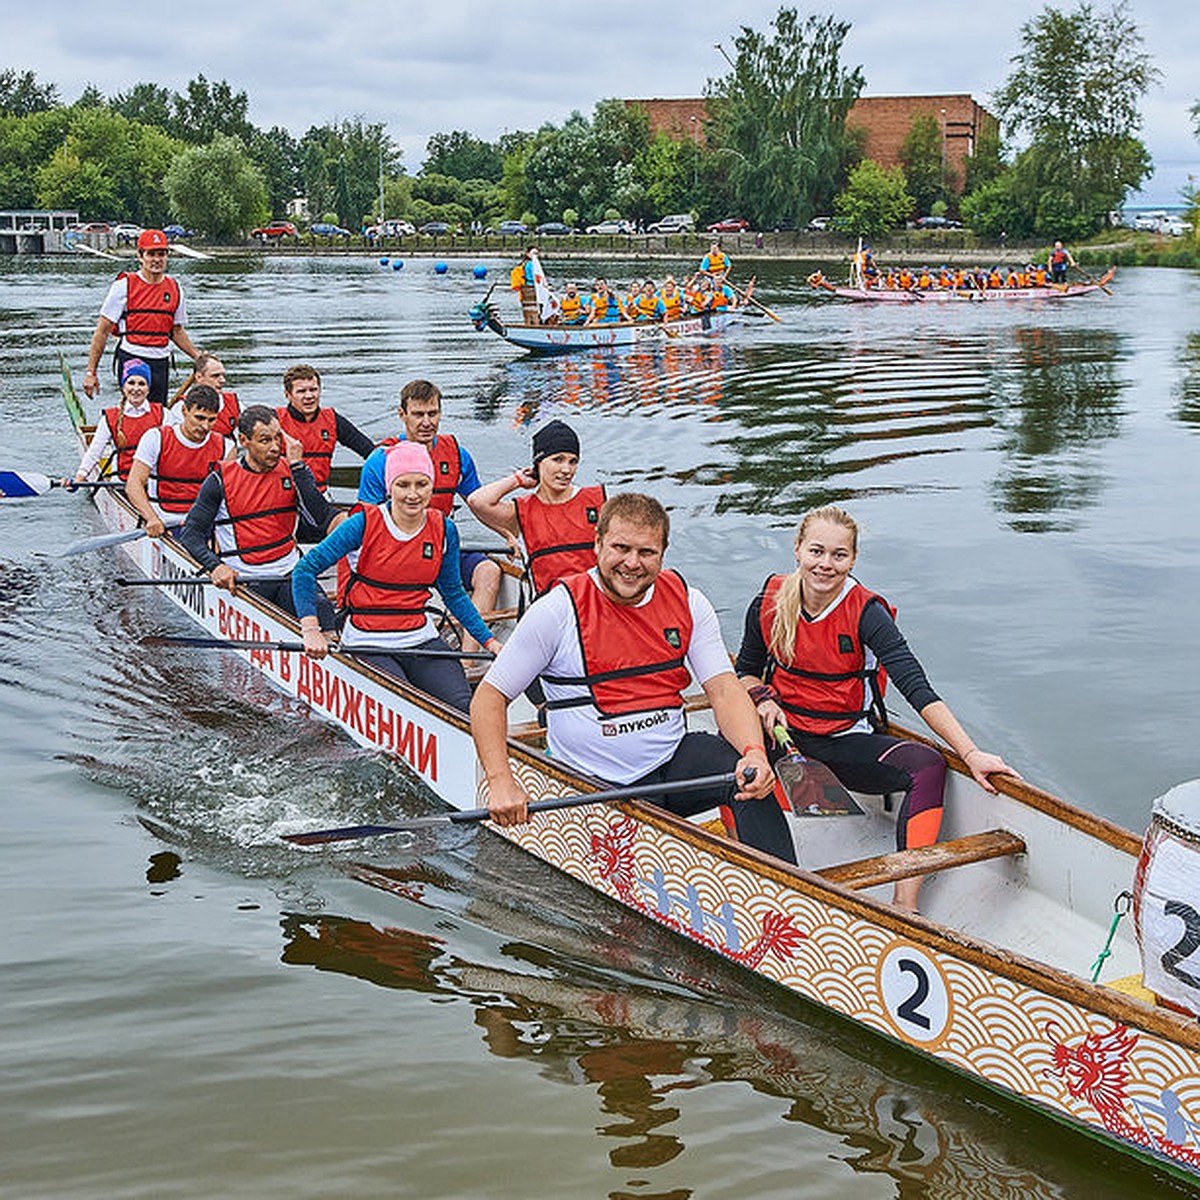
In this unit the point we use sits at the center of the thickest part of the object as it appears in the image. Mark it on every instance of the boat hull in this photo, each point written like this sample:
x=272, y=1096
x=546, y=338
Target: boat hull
x=970, y=295
x=966, y=996
x=565, y=339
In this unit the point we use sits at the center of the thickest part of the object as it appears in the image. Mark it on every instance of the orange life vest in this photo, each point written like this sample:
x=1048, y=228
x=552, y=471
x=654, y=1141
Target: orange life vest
x=390, y=583
x=182, y=468
x=150, y=310
x=262, y=508
x=834, y=689
x=127, y=432
x=570, y=309
x=318, y=437
x=672, y=303
x=633, y=655
x=560, y=539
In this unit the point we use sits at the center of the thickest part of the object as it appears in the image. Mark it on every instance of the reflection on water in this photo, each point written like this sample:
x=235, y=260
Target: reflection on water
x=1188, y=411
x=640, y=1048
x=1057, y=403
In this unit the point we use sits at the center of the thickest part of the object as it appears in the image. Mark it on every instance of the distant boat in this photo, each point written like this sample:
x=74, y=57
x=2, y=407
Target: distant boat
x=884, y=295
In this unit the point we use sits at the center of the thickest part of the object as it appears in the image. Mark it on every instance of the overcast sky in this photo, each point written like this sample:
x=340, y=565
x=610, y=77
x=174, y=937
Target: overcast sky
x=423, y=68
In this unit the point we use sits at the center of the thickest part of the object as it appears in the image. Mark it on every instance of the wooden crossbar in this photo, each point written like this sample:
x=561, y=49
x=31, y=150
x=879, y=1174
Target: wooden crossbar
x=922, y=860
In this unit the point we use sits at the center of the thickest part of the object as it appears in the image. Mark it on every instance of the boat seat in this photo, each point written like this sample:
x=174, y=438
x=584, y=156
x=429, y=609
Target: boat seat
x=923, y=860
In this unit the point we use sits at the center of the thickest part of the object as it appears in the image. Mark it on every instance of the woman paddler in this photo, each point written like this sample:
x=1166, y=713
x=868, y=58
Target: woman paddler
x=121, y=426
x=398, y=552
x=814, y=654
x=555, y=521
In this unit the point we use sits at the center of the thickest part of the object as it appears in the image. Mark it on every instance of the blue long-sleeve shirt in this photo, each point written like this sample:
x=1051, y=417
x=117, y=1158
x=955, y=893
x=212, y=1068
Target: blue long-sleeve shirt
x=371, y=488
x=347, y=538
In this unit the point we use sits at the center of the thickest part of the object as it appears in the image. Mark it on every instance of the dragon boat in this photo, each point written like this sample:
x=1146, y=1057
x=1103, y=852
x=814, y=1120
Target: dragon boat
x=994, y=980
x=858, y=291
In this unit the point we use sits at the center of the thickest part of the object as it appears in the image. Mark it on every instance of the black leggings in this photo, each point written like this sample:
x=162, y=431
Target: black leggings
x=760, y=823
x=440, y=677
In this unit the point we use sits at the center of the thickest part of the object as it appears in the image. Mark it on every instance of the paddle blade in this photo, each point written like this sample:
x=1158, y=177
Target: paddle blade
x=14, y=484
x=810, y=789
x=100, y=542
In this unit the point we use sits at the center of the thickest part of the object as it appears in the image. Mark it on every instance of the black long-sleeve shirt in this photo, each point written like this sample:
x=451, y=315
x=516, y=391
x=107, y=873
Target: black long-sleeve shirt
x=876, y=630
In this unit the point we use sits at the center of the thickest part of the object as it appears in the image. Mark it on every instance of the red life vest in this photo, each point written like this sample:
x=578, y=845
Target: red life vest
x=318, y=437
x=1058, y=257
x=182, y=469
x=390, y=584
x=227, y=417
x=633, y=656
x=835, y=688
x=262, y=508
x=560, y=539
x=150, y=310
x=447, y=470
x=127, y=432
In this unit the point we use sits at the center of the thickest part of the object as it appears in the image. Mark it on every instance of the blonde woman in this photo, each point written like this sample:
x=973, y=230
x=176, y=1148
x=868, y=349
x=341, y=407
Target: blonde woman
x=817, y=652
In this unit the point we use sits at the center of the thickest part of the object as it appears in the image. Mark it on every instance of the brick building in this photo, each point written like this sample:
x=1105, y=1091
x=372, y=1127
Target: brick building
x=886, y=121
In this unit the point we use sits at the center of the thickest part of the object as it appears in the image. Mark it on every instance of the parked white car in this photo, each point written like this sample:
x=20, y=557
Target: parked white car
x=674, y=223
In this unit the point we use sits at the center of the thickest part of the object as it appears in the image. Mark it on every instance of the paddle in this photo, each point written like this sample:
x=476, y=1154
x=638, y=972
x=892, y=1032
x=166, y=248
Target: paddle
x=1098, y=282
x=109, y=539
x=354, y=832
x=749, y=299
x=197, y=581
x=216, y=643
x=809, y=787
x=16, y=484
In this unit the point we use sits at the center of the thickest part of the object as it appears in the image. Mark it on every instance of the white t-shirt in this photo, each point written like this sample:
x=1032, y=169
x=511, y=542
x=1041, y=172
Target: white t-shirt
x=621, y=750
x=113, y=309
x=150, y=447
x=102, y=439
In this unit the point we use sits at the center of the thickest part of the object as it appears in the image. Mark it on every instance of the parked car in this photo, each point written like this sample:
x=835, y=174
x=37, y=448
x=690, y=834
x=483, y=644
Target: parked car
x=611, y=227
x=818, y=225
x=730, y=225
x=554, y=227
x=936, y=223
x=512, y=227
x=174, y=232
x=397, y=229
x=126, y=233
x=1174, y=226
x=674, y=223
x=324, y=229
x=433, y=228
x=272, y=231
x=91, y=227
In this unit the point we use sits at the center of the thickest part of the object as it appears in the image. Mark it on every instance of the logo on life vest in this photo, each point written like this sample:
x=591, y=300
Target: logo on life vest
x=166, y=295
x=444, y=468
x=286, y=484
x=673, y=638
x=427, y=550
x=845, y=644
x=593, y=515
x=324, y=435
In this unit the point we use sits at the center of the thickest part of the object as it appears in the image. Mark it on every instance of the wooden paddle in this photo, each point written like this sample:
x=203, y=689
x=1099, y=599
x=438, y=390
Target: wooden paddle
x=354, y=832
x=749, y=299
x=217, y=643
x=809, y=788
x=1098, y=282
x=17, y=484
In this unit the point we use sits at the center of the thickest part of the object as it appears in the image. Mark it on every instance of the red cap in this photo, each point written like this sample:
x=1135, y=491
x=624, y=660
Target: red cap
x=153, y=239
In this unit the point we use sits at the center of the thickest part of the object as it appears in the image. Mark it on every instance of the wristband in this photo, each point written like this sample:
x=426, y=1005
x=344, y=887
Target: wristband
x=761, y=692
x=746, y=750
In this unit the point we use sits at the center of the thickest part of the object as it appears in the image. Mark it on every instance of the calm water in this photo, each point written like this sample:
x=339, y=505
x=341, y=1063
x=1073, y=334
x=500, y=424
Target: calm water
x=189, y=1010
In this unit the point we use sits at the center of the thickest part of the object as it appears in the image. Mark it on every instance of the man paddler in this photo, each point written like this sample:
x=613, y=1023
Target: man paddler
x=172, y=462
x=147, y=309
x=615, y=647
x=209, y=370
x=554, y=521
x=253, y=504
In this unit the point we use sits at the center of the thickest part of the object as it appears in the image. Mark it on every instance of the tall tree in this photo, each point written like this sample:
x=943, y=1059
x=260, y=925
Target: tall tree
x=923, y=153
x=1075, y=91
x=208, y=109
x=341, y=165
x=145, y=102
x=26, y=143
x=463, y=156
x=217, y=188
x=277, y=155
x=781, y=113
x=21, y=94
x=874, y=201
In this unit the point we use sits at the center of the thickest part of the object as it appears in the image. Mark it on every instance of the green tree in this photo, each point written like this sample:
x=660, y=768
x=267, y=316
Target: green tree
x=277, y=155
x=922, y=154
x=145, y=102
x=463, y=156
x=340, y=167
x=781, y=115
x=874, y=201
x=670, y=170
x=1075, y=91
x=985, y=163
x=21, y=94
x=26, y=144
x=208, y=109
x=217, y=189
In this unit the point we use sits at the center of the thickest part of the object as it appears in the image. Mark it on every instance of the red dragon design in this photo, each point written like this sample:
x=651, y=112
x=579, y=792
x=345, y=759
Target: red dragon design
x=613, y=851
x=1095, y=1069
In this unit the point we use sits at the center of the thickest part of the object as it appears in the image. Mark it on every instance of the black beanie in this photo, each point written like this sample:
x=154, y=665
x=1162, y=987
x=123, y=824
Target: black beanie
x=557, y=437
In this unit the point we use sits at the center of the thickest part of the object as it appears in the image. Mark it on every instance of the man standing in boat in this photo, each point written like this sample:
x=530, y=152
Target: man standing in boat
x=147, y=310
x=253, y=504
x=454, y=475
x=614, y=648
x=1060, y=262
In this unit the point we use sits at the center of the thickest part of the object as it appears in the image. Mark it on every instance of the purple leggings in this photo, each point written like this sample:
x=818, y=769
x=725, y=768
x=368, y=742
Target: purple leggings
x=878, y=763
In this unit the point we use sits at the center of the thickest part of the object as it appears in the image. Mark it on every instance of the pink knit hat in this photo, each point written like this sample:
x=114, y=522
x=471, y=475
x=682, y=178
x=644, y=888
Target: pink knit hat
x=406, y=458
